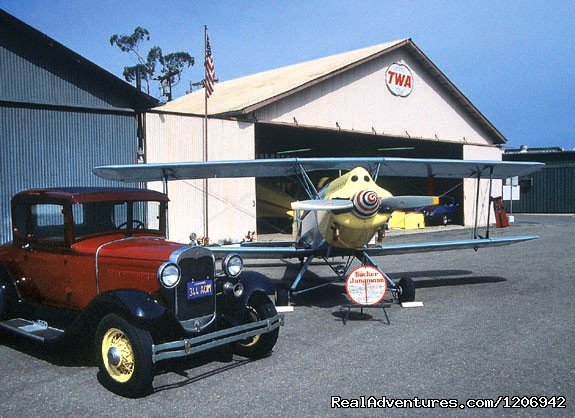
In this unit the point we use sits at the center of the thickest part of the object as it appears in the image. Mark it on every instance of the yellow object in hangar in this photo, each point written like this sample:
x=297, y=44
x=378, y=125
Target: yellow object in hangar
x=406, y=220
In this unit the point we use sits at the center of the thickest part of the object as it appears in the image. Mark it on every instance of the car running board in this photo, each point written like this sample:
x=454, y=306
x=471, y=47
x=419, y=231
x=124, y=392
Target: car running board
x=38, y=330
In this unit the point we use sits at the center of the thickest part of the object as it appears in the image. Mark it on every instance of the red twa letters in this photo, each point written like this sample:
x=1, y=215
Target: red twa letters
x=403, y=80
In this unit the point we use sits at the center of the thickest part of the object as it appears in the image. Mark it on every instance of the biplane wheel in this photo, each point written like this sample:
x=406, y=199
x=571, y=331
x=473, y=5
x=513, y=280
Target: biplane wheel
x=445, y=220
x=282, y=296
x=406, y=290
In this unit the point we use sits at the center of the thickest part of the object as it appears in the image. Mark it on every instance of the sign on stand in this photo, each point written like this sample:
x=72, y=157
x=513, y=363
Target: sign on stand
x=366, y=285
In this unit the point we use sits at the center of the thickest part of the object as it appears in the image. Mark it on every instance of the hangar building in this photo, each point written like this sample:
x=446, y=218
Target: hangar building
x=60, y=115
x=549, y=190
x=384, y=100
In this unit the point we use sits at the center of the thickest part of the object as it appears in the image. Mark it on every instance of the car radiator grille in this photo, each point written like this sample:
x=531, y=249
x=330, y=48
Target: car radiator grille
x=195, y=269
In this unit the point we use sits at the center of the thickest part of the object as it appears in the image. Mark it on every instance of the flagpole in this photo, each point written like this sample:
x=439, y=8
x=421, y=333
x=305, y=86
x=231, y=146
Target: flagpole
x=206, y=230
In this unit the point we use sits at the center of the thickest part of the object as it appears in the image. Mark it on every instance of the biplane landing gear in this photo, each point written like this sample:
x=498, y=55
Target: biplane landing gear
x=405, y=290
x=282, y=296
x=340, y=269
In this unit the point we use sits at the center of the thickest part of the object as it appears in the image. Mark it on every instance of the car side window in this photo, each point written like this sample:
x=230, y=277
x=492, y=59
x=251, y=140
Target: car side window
x=48, y=222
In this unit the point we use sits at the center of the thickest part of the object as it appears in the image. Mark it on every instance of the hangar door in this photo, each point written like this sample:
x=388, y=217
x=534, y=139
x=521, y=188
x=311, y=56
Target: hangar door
x=280, y=141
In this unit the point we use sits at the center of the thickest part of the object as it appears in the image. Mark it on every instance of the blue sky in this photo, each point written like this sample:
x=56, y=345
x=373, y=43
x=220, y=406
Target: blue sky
x=512, y=59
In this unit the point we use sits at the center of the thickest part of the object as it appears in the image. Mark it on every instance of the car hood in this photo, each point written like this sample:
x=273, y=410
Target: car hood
x=135, y=247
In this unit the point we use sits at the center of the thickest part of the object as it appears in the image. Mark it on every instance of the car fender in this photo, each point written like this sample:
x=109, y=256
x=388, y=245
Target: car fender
x=138, y=305
x=253, y=282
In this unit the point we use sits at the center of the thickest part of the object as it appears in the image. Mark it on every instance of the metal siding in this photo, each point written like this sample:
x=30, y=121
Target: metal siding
x=47, y=148
x=553, y=191
x=41, y=74
x=48, y=137
x=171, y=138
x=232, y=204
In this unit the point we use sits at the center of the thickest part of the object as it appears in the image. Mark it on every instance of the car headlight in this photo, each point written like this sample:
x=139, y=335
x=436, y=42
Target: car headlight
x=169, y=275
x=232, y=265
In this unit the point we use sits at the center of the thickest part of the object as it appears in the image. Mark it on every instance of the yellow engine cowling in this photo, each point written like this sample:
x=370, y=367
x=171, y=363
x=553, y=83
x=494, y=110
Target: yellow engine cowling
x=352, y=229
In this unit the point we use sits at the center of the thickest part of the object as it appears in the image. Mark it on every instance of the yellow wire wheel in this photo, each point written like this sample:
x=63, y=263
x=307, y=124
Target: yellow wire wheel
x=257, y=309
x=124, y=354
x=252, y=316
x=118, y=355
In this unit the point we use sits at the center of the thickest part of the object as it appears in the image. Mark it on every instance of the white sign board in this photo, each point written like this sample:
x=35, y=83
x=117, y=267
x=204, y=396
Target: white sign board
x=511, y=189
x=366, y=285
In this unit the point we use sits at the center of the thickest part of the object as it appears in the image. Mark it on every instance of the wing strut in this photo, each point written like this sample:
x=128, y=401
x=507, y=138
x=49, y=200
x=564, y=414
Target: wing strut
x=476, y=227
x=375, y=173
x=475, y=235
x=489, y=201
x=307, y=183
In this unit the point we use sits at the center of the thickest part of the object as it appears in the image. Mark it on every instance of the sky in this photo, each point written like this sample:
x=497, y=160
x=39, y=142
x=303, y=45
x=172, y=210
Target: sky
x=513, y=59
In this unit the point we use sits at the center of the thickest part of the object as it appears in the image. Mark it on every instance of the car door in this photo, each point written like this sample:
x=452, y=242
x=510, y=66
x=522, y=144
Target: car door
x=44, y=257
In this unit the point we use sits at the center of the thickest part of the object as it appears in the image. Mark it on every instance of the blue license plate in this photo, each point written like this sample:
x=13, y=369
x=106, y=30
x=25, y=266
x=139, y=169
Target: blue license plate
x=200, y=289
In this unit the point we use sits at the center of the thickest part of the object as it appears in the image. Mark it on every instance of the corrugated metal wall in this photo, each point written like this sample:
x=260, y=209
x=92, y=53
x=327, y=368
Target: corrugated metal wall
x=231, y=206
x=47, y=148
x=553, y=191
x=60, y=116
x=33, y=72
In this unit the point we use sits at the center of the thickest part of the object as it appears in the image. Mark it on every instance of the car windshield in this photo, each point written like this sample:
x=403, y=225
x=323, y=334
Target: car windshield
x=103, y=217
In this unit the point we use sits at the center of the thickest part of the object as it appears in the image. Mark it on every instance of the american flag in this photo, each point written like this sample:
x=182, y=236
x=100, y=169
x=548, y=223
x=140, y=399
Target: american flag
x=210, y=73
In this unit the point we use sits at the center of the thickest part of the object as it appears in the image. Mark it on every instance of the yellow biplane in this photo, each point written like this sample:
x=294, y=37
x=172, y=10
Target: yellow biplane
x=346, y=214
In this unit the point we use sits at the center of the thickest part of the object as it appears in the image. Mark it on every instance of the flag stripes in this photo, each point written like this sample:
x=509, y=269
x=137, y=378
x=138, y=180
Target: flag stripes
x=210, y=73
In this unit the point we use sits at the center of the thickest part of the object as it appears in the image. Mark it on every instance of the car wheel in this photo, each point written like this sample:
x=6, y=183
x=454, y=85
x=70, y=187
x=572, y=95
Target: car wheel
x=406, y=290
x=260, y=345
x=124, y=356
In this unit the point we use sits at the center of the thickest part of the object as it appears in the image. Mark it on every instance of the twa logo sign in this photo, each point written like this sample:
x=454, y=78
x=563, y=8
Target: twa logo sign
x=399, y=80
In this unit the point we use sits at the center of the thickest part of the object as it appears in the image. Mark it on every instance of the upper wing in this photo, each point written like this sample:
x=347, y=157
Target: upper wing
x=404, y=167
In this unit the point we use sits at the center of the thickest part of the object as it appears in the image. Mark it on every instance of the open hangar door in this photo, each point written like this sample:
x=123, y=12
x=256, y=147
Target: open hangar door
x=274, y=195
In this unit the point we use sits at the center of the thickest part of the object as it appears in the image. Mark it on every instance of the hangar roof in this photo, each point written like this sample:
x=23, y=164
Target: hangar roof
x=241, y=96
x=44, y=44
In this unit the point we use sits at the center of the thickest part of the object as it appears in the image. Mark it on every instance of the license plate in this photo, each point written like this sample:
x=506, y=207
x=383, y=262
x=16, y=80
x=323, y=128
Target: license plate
x=200, y=289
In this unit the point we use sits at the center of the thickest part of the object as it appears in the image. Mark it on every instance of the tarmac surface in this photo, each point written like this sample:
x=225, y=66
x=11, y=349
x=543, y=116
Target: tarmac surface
x=496, y=324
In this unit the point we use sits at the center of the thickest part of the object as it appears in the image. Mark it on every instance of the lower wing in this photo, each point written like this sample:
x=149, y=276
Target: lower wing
x=273, y=250
x=424, y=247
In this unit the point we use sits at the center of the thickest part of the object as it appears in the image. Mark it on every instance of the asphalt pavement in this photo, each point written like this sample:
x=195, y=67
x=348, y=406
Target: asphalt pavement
x=496, y=324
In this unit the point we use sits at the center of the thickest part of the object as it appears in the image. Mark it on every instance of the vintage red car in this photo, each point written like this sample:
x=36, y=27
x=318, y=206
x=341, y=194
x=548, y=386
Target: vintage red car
x=94, y=264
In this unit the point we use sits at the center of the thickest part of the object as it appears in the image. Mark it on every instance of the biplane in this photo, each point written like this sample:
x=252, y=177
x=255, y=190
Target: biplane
x=345, y=216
